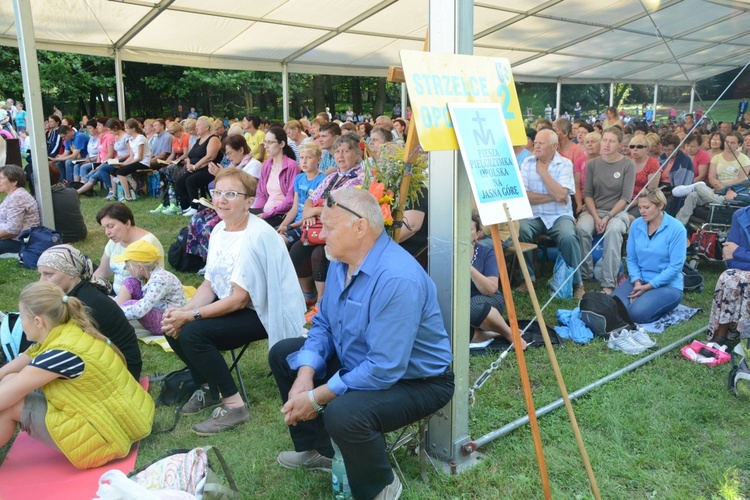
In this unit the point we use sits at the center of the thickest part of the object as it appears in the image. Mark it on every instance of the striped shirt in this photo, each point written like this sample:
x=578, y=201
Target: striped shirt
x=62, y=362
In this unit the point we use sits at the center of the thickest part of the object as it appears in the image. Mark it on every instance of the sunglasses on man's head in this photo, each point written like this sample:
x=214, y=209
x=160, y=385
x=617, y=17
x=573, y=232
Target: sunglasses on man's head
x=636, y=146
x=330, y=203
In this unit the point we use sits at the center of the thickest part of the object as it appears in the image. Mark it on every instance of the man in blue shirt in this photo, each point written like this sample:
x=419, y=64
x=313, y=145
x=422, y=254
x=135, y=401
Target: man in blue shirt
x=377, y=356
x=75, y=148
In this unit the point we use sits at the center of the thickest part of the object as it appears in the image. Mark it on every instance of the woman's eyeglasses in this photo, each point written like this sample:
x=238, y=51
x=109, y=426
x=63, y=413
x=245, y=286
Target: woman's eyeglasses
x=330, y=203
x=228, y=195
x=637, y=146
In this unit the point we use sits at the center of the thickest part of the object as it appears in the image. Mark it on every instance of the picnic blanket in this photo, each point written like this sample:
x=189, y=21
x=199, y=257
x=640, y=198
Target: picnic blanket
x=681, y=314
x=148, y=338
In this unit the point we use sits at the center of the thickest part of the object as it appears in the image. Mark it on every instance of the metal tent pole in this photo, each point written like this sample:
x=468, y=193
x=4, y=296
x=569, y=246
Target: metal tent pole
x=33, y=96
x=487, y=438
x=451, y=31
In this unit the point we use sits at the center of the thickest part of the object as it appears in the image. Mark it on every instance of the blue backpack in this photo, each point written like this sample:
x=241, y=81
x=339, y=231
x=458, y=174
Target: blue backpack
x=11, y=335
x=34, y=242
x=154, y=184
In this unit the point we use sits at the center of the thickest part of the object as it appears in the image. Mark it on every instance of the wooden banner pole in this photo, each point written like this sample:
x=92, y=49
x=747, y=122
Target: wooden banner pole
x=525, y=384
x=550, y=350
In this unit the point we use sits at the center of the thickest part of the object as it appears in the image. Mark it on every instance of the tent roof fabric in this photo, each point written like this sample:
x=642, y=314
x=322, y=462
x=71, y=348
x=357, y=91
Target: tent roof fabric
x=574, y=41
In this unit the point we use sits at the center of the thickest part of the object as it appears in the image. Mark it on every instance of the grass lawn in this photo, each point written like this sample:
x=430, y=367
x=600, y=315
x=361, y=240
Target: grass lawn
x=670, y=429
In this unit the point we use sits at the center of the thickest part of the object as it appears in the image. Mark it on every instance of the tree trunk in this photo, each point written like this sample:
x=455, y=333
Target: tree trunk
x=330, y=95
x=248, y=98
x=92, y=102
x=356, y=95
x=106, y=109
x=380, y=96
x=319, y=102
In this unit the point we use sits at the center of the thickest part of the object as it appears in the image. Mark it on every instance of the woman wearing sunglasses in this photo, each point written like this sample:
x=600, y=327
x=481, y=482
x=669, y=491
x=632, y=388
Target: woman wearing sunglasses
x=250, y=292
x=645, y=169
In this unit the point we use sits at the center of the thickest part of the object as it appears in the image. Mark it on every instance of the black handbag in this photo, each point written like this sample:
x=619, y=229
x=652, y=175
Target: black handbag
x=176, y=387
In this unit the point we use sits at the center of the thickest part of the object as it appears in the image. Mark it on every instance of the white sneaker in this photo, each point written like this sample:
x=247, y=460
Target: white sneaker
x=682, y=191
x=642, y=338
x=622, y=341
x=190, y=212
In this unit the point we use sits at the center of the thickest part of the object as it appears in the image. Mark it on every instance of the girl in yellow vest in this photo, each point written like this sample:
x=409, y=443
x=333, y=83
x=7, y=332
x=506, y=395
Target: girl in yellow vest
x=71, y=389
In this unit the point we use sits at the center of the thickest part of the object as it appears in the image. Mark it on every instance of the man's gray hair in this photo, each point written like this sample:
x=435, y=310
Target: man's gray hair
x=364, y=203
x=551, y=133
x=386, y=120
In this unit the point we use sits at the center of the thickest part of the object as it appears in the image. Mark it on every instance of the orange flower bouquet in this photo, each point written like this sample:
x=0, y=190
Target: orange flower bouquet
x=383, y=180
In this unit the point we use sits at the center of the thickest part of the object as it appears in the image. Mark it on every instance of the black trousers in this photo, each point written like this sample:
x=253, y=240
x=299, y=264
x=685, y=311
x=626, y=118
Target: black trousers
x=357, y=420
x=200, y=344
x=188, y=187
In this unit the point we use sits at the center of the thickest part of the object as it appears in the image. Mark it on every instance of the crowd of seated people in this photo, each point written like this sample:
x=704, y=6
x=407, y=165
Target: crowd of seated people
x=266, y=183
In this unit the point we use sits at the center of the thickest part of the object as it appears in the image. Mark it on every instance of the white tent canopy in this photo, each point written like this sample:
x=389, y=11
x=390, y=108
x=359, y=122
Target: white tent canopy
x=572, y=41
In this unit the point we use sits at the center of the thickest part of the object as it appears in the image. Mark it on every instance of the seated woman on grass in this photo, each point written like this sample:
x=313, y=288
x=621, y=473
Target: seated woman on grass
x=85, y=386
x=68, y=268
x=487, y=303
x=656, y=254
x=730, y=311
x=162, y=289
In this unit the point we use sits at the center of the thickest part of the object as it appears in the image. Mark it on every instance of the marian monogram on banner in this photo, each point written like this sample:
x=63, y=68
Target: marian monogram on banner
x=490, y=161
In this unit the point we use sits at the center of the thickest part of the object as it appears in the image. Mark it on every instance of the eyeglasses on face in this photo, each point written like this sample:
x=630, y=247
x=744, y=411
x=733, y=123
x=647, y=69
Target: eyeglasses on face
x=330, y=203
x=268, y=143
x=637, y=146
x=228, y=195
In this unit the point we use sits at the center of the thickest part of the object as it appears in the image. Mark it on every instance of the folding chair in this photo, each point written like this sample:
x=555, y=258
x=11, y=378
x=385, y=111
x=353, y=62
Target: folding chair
x=236, y=367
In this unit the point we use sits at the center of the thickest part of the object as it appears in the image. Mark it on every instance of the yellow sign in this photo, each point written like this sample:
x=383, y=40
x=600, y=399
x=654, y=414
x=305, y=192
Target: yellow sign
x=433, y=80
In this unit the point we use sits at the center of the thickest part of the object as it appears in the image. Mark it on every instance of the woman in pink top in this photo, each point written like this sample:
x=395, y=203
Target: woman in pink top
x=276, y=185
x=565, y=146
x=106, y=151
x=591, y=145
x=701, y=159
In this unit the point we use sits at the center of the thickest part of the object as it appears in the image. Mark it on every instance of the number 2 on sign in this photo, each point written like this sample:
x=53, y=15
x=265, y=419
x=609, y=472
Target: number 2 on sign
x=504, y=95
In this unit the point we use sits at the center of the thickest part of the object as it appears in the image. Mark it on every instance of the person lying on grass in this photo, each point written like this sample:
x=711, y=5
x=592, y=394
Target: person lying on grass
x=151, y=289
x=71, y=389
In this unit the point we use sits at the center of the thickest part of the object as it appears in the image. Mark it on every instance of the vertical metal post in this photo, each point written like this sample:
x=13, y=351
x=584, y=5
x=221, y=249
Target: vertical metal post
x=558, y=98
x=403, y=101
x=611, y=93
x=285, y=90
x=692, y=97
x=33, y=100
x=120, y=87
x=451, y=31
x=656, y=100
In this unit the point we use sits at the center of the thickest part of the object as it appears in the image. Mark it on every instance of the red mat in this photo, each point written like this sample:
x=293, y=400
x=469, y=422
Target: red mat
x=34, y=470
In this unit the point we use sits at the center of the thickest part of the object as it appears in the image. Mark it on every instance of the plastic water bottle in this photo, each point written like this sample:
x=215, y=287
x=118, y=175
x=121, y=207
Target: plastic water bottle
x=172, y=197
x=120, y=192
x=339, y=481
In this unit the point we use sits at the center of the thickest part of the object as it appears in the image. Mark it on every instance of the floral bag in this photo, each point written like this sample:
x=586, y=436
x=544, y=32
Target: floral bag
x=185, y=471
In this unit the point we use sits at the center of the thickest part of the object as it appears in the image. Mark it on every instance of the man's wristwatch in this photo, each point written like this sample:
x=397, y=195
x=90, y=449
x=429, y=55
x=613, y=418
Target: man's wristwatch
x=197, y=313
x=315, y=405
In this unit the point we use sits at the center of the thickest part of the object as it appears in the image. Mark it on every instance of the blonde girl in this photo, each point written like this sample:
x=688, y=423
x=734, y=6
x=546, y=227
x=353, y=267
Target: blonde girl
x=71, y=388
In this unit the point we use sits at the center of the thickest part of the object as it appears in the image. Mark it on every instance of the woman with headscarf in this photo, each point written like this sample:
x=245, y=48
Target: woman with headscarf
x=72, y=271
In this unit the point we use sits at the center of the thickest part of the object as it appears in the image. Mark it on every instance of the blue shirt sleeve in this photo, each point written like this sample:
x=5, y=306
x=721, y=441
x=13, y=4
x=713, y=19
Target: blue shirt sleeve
x=318, y=347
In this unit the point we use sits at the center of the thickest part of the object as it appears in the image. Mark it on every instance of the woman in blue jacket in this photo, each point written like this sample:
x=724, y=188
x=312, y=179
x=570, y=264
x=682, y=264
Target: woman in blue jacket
x=656, y=254
x=730, y=311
